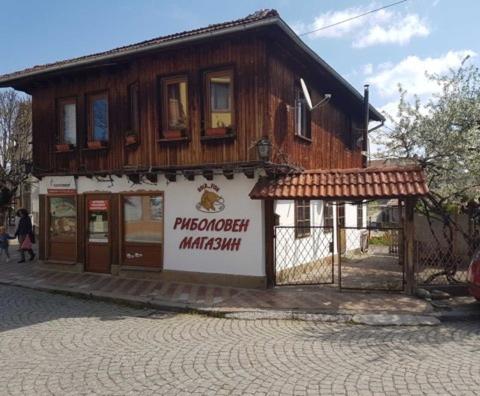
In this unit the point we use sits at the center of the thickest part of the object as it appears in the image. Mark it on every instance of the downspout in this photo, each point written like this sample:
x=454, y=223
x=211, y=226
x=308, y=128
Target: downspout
x=366, y=120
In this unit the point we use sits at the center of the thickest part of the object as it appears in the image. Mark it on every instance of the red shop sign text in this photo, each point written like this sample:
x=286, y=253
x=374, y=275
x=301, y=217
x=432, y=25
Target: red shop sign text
x=98, y=204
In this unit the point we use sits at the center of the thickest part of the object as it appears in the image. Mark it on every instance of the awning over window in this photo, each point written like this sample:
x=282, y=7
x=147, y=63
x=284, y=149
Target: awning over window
x=345, y=184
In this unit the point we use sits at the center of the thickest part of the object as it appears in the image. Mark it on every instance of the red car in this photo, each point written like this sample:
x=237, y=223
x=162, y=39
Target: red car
x=473, y=276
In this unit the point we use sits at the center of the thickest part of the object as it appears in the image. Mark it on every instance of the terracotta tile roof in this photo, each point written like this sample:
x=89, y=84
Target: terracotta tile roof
x=256, y=16
x=345, y=184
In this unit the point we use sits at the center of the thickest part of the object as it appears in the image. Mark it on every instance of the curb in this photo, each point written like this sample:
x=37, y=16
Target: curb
x=133, y=302
x=365, y=318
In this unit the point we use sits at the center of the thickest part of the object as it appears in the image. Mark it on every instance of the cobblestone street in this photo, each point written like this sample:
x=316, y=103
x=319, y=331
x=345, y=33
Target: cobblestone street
x=52, y=344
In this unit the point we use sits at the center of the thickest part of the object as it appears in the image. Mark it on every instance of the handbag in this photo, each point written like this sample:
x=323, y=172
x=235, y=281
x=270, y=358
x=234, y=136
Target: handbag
x=26, y=244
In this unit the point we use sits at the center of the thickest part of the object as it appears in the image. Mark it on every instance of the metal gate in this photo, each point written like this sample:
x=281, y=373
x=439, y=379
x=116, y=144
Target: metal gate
x=371, y=259
x=304, y=255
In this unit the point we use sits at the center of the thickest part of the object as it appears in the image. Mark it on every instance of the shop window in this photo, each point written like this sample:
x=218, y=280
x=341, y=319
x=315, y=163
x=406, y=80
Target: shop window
x=219, y=103
x=98, y=122
x=302, y=116
x=62, y=218
x=98, y=220
x=67, y=121
x=133, y=106
x=143, y=218
x=174, y=107
x=360, y=217
x=302, y=218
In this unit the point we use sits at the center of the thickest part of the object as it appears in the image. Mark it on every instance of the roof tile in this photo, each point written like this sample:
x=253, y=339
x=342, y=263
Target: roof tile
x=361, y=183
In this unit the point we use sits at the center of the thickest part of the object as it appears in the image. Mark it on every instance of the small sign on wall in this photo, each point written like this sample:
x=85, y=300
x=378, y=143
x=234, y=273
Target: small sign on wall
x=62, y=185
x=98, y=205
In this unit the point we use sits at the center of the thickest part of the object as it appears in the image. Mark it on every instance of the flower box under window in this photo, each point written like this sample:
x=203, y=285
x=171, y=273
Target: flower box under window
x=96, y=144
x=131, y=140
x=173, y=134
x=218, y=131
x=64, y=147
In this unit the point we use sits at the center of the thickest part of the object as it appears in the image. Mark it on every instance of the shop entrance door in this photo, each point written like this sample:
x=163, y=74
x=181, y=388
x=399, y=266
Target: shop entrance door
x=98, y=235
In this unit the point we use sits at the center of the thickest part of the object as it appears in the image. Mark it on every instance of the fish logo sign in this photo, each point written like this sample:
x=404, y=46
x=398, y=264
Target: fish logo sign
x=210, y=201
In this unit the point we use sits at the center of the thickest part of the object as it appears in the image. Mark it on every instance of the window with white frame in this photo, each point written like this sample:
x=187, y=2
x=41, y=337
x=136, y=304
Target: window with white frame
x=360, y=217
x=302, y=218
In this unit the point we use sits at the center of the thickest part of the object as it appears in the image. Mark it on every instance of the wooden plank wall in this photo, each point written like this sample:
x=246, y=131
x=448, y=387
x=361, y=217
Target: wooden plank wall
x=331, y=130
x=246, y=54
x=265, y=75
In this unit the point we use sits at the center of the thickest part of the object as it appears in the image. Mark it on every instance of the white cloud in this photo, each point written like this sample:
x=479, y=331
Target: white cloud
x=332, y=17
x=367, y=69
x=411, y=73
x=381, y=27
x=400, y=32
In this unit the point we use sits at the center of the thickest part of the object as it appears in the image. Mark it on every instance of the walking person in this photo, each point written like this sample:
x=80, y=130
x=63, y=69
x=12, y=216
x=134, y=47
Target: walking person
x=25, y=234
x=4, y=242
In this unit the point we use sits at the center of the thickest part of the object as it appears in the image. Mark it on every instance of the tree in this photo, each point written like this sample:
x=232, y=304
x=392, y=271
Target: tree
x=15, y=145
x=442, y=136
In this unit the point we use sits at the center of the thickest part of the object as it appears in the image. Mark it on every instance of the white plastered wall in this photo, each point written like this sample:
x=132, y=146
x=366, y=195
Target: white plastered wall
x=291, y=251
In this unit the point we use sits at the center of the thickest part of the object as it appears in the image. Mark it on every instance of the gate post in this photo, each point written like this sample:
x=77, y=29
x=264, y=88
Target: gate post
x=269, y=223
x=409, y=237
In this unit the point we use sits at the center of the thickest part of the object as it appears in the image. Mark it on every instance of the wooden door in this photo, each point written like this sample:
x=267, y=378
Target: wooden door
x=98, y=233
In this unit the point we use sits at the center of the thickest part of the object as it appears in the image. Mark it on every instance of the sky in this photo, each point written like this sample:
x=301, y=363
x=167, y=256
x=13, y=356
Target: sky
x=395, y=45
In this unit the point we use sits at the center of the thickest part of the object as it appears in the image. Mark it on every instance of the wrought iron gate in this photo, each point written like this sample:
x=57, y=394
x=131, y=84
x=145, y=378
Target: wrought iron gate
x=304, y=255
x=371, y=259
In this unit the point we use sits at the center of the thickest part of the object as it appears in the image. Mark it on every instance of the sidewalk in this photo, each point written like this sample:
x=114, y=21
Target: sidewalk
x=207, y=298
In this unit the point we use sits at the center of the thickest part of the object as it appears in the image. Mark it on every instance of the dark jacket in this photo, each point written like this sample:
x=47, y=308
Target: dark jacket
x=24, y=227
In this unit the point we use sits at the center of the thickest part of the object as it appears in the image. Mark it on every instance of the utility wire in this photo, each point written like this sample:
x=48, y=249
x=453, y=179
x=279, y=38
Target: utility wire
x=354, y=17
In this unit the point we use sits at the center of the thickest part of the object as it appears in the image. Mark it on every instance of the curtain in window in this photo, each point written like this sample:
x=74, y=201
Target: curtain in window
x=69, y=124
x=177, y=103
x=220, y=88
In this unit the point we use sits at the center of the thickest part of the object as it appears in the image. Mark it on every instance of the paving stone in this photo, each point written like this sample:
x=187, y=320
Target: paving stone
x=53, y=344
x=395, y=320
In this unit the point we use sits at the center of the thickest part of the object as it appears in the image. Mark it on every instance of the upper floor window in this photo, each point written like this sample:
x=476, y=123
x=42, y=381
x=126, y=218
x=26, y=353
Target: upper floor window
x=219, y=106
x=302, y=115
x=67, y=112
x=134, y=118
x=174, y=107
x=302, y=218
x=98, y=117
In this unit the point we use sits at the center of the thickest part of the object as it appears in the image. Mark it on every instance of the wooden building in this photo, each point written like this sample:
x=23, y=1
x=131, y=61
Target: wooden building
x=147, y=153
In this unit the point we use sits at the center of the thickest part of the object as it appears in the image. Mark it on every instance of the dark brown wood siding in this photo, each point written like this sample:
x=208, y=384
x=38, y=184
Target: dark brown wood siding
x=333, y=127
x=265, y=75
x=246, y=55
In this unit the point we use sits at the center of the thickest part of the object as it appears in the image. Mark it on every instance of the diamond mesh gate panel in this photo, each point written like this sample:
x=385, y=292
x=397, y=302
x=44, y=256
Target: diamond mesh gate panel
x=439, y=265
x=371, y=258
x=303, y=255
